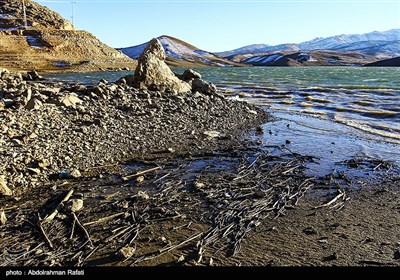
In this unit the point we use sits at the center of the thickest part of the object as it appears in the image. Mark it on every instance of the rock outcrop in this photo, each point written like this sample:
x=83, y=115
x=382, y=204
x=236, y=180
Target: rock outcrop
x=37, y=16
x=153, y=73
x=50, y=43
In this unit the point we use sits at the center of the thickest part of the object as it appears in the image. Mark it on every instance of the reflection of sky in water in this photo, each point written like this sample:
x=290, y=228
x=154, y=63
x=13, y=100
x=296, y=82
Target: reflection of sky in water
x=330, y=142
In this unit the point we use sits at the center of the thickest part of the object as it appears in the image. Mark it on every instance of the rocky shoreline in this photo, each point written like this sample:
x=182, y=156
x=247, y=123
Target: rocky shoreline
x=50, y=129
x=153, y=169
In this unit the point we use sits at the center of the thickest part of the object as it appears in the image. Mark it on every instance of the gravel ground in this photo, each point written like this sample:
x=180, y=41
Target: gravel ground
x=49, y=130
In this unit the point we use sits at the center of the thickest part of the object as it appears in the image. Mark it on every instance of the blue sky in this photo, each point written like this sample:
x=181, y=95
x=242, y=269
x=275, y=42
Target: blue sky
x=225, y=25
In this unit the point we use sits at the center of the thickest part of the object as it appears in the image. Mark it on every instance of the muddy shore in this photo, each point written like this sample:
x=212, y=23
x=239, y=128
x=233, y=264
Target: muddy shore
x=174, y=180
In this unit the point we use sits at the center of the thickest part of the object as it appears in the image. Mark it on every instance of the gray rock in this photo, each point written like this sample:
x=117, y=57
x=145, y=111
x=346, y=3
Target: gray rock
x=199, y=85
x=50, y=91
x=190, y=75
x=154, y=74
x=34, y=104
x=75, y=173
x=69, y=100
x=33, y=76
x=70, y=174
x=126, y=252
x=4, y=71
x=75, y=205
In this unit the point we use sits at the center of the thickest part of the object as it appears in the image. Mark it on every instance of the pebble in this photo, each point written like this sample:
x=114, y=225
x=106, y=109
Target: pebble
x=74, y=205
x=126, y=252
x=140, y=179
x=143, y=195
x=3, y=218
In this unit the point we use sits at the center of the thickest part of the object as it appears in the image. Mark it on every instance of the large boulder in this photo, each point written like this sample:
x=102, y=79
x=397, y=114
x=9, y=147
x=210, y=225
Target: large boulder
x=153, y=73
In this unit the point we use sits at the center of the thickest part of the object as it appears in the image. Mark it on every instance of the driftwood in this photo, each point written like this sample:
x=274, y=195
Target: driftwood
x=104, y=219
x=82, y=227
x=336, y=198
x=231, y=192
x=137, y=174
x=54, y=213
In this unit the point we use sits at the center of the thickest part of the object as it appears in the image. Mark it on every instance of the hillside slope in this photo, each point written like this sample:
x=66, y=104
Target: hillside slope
x=310, y=58
x=182, y=54
x=50, y=43
x=393, y=62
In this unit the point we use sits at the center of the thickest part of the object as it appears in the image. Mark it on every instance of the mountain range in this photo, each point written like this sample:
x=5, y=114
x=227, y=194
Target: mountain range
x=341, y=50
x=49, y=42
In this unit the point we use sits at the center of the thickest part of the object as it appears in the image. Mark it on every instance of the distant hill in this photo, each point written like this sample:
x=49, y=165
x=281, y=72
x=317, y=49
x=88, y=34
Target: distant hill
x=50, y=42
x=392, y=62
x=310, y=58
x=379, y=44
x=181, y=54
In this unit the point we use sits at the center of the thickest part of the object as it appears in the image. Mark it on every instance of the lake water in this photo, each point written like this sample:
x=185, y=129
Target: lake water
x=333, y=113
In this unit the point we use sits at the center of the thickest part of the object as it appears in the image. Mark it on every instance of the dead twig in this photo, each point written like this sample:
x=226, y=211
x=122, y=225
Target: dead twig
x=341, y=194
x=170, y=248
x=53, y=214
x=104, y=219
x=128, y=177
x=82, y=227
x=39, y=224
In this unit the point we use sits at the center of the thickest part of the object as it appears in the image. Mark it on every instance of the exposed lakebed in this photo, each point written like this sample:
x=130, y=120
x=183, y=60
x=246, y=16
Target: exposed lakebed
x=333, y=113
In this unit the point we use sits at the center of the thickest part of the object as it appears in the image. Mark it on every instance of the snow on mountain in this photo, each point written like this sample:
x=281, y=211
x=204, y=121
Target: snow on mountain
x=374, y=42
x=388, y=48
x=337, y=42
x=256, y=48
x=179, y=52
x=259, y=48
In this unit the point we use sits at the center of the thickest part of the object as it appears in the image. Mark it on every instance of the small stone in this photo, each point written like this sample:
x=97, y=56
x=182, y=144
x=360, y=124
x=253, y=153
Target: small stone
x=126, y=252
x=38, y=252
x=69, y=100
x=199, y=185
x=44, y=163
x=310, y=231
x=34, y=104
x=75, y=205
x=143, y=195
x=212, y=133
x=259, y=194
x=3, y=218
x=330, y=258
x=396, y=254
x=4, y=190
x=75, y=173
x=140, y=179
